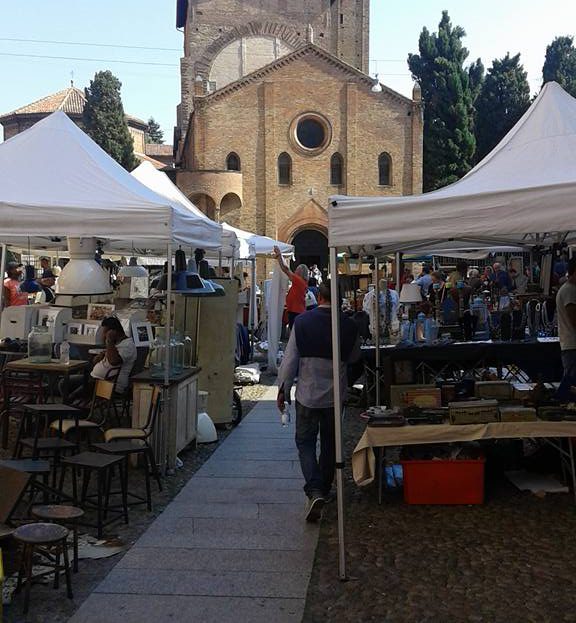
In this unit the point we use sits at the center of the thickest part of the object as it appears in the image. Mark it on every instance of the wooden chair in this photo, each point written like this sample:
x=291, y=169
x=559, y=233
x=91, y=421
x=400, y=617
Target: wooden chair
x=98, y=413
x=117, y=440
x=18, y=390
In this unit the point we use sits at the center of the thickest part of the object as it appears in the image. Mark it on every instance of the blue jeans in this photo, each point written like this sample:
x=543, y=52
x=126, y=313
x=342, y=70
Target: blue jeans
x=318, y=471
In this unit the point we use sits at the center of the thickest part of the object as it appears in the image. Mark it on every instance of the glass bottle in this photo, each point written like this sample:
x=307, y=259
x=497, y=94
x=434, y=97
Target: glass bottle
x=40, y=345
x=176, y=354
x=188, y=352
x=158, y=355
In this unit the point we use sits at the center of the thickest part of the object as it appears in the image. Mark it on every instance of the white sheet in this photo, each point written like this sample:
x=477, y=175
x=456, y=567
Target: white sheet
x=275, y=299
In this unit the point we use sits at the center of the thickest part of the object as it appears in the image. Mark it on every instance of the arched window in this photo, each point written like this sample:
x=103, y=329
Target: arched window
x=384, y=169
x=233, y=162
x=336, y=169
x=284, y=169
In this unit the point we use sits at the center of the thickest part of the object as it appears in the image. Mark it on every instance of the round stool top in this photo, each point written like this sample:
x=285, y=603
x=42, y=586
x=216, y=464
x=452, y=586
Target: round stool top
x=57, y=512
x=40, y=533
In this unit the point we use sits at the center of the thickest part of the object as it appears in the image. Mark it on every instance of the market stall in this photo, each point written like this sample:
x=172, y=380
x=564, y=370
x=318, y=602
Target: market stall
x=85, y=196
x=521, y=194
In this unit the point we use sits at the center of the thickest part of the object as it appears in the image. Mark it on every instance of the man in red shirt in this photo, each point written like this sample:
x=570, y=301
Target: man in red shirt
x=12, y=294
x=296, y=297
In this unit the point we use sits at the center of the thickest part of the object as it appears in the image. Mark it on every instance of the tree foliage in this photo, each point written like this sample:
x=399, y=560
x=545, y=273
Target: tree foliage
x=154, y=134
x=448, y=93
x=560, y=64
x=503, y=99
x=104, y=119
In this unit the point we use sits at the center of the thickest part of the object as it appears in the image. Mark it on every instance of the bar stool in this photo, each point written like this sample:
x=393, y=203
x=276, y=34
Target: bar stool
x=62, y=514
x=102, y=465
x=49, y=541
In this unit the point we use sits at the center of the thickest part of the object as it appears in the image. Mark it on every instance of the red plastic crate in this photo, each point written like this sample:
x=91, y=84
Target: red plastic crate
x=444, y=482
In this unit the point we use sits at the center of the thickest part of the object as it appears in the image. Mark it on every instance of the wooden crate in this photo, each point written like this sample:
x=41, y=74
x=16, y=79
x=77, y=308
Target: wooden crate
x=399, y=393
x=473, y=412
x=493, y=390
x=513, y=413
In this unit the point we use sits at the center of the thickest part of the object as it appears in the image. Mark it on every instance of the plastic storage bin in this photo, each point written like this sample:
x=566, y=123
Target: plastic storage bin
x=444, y=481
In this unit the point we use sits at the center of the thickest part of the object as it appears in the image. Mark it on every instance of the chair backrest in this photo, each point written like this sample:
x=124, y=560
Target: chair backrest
x=14, y=484
x=104, y=389
x=153, y=410
x=101, y=400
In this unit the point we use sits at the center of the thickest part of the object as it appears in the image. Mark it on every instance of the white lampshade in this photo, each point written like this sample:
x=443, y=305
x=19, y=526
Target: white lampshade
x=82, y=275
x=133, y=270
x=410, y=293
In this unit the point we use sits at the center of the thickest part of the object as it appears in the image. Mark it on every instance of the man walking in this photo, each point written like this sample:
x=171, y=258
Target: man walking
x=566, y=311
x=308, y=356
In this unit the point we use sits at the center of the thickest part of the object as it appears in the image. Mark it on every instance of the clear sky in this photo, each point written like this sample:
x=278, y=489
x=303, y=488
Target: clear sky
x=493, y=28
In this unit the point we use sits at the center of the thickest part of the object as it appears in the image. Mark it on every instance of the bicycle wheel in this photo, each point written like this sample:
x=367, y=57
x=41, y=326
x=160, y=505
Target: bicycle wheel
x=236, y=408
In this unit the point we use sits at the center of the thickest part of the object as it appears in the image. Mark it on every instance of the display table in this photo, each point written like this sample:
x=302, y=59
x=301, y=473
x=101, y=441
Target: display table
x=427, y=363
x=364, y=460
x=175, y=427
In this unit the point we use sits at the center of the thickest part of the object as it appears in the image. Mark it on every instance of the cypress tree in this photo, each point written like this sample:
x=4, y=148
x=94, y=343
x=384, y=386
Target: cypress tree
x=154, y=134
x=448, y=92
x=104, y=119
x=560, y=64
x=504, y=98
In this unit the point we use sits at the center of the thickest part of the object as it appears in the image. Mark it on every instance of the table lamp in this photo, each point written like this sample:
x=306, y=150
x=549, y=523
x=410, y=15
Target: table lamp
x=409, y=296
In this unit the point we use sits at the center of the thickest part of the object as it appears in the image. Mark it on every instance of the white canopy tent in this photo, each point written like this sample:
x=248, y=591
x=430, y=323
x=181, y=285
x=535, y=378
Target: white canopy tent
x=258, y=245
x=160, y=183
x=522, y=193
x=55, y=181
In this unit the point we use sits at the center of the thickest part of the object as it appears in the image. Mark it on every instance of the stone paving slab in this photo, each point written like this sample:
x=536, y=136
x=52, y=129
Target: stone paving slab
x=218, y=583
x=109, y=608
x=216, y=559
x=232, y=545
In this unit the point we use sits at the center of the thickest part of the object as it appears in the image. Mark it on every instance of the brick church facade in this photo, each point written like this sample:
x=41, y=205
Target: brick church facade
x=278, y=113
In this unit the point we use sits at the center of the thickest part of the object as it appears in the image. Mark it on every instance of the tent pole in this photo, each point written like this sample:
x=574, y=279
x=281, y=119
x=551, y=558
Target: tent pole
x=335, y=310
x=166, y=429
x=252, y=307
x=2, y=269
x=398, y=272
x=377, y=326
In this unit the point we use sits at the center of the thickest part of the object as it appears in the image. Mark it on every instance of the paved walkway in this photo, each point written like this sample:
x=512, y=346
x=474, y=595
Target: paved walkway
x=232, y=546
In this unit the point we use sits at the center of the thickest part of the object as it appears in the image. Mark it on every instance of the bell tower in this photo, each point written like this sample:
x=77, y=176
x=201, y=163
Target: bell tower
x=226, y=39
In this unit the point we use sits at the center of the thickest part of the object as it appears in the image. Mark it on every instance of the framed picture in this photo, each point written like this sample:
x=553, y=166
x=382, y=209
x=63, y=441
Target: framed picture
x=99, y=311
x=75, y=328
x=90, y=330
x=142, y=333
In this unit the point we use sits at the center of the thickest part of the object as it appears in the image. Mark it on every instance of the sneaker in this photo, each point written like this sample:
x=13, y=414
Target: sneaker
x=330, y=496
x=315, y=507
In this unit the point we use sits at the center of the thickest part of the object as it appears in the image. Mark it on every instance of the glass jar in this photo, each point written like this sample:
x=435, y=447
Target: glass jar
x=40, y=345
x=157, y=356
x=176, y=354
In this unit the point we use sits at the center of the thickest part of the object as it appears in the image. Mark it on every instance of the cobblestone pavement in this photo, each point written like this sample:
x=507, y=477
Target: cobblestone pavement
x=56, y=608
x=512, y=560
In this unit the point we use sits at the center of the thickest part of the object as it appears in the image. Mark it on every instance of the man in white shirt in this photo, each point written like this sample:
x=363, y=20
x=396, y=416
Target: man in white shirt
x=120, y=353
x=566, y=312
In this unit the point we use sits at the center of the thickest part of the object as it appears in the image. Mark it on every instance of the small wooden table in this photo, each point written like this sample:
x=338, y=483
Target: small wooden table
x=54, y=368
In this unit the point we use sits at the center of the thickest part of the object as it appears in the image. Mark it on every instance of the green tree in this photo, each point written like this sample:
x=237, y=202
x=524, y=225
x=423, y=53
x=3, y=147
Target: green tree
x=104, y=119
x=154, y=134
x=560, y=64
x=448, y=93
x=503, y=99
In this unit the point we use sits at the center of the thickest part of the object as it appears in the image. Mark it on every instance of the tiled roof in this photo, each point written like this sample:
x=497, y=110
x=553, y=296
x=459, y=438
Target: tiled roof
x=156, y=163
x=153, y=149
x=70, y=100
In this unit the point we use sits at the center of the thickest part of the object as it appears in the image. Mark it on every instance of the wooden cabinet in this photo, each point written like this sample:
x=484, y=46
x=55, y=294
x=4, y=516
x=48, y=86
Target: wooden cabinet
x=176, y=424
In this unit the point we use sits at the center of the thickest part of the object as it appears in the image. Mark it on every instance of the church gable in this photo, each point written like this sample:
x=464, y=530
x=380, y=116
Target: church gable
x=313, y=57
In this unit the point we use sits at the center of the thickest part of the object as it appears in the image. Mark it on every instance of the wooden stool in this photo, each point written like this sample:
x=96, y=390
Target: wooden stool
x=36, y=468
x=62, y=514
x=127, y=448
x=102, y=464
x=48, y=540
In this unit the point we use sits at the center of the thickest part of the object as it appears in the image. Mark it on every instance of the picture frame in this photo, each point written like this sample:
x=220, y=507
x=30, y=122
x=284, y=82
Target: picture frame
x=90, y=330
x=142, y=334
x=99, y=311
x=75, y=328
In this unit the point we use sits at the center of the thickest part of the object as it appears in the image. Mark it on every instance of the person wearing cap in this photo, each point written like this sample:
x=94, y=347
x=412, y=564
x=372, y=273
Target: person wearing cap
x=47, y=279
x=12, y=294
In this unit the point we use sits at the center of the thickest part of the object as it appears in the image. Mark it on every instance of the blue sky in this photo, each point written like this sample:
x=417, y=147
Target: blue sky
x=493, y=28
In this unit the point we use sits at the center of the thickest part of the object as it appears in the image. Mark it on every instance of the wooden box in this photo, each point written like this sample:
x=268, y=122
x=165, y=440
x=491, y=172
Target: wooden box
x=518, y=413
x=473, y=412
x=399, y=393
x=493, y=390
